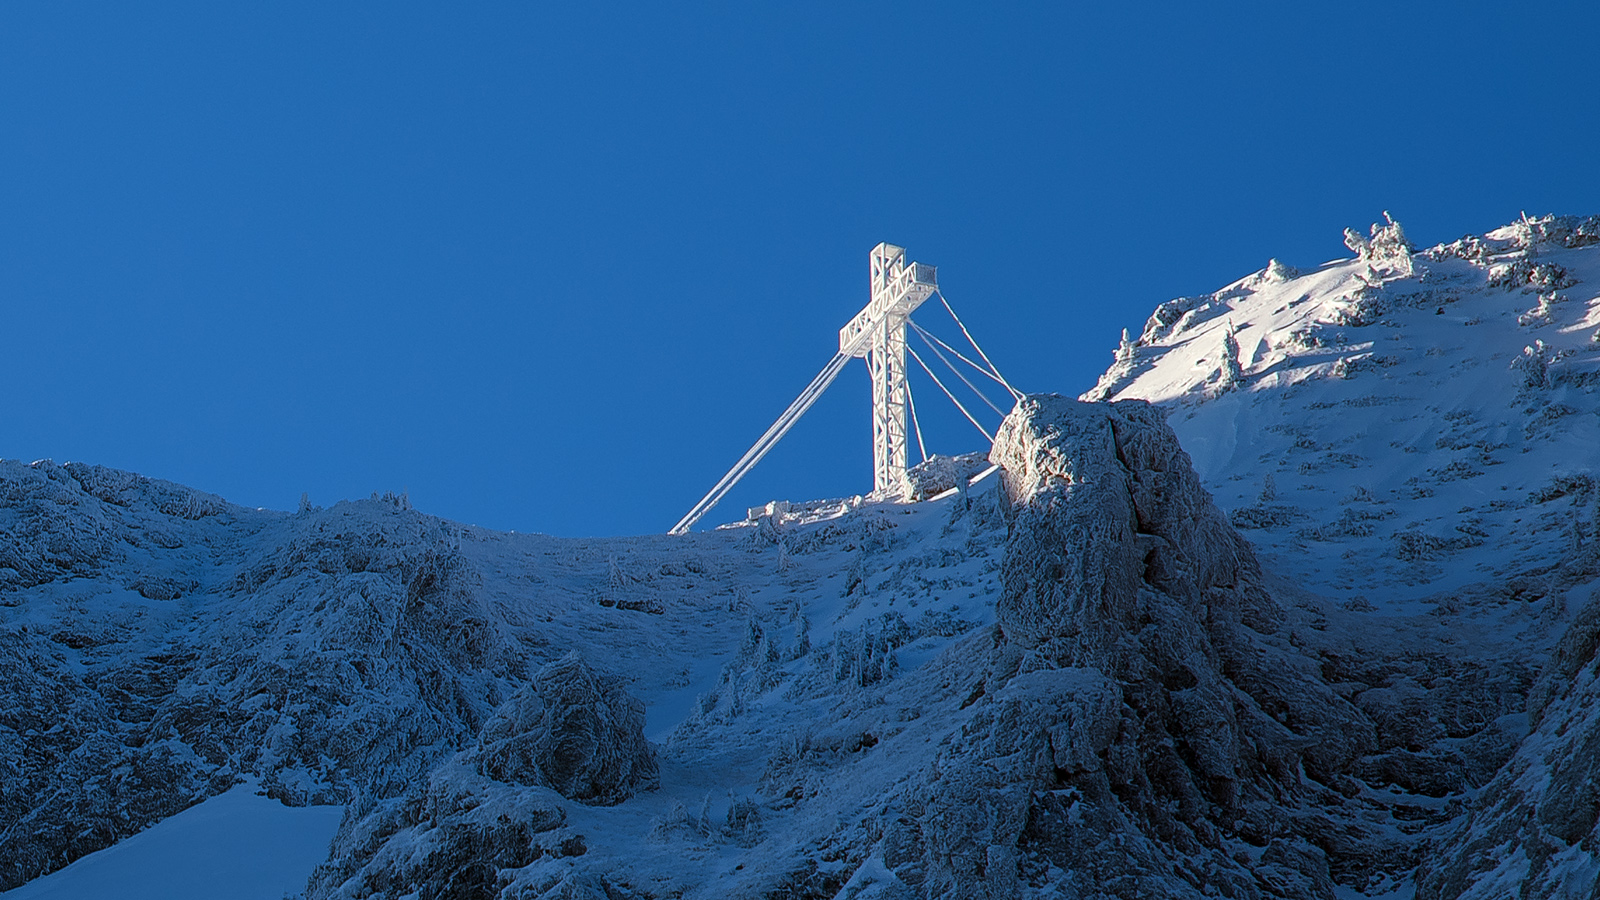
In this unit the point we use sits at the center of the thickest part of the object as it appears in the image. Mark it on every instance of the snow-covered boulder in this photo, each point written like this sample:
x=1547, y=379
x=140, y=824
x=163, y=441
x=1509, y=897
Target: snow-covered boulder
x=1104, y=503
x=450, y=838
x=937, y=474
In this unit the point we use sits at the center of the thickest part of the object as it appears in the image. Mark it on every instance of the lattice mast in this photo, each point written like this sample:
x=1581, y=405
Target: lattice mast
x=898, y=288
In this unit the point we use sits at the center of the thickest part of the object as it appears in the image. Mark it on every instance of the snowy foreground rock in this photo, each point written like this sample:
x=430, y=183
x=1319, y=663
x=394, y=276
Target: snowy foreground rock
x=1076, y=678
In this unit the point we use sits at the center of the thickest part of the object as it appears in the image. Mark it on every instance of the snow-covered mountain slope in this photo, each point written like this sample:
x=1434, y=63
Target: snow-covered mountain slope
x=1397, y=425
x=1412, y=435
x=158, y=644
x=938, y=699
x=1073, y=678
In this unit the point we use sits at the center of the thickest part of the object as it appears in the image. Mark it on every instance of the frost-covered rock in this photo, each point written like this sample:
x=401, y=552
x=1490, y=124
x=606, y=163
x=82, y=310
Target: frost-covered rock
x=326, y=654
x=937, y=474
x=1533, y=831
x=1103, y=503
x=451, y=839
x=1144, y=726
x=572, y=730
x=571, y=733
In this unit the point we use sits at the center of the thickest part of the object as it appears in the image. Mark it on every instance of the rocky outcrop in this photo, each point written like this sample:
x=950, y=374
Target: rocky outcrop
x=571, y=733
x=1077, y=686
x=333, y=652
x=1146, y=728
x=452, y=838
x=937, y=474
x=1533, y=831
x=79, y=769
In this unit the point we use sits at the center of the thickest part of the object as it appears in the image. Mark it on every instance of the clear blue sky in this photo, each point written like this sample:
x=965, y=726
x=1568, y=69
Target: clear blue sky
x=552, y=267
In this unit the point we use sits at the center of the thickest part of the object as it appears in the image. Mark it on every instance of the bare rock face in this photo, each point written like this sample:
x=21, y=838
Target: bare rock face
x=1146, y=728
x=572, y=730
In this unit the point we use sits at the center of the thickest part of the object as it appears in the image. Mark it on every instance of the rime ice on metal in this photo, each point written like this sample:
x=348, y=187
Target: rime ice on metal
x=877, y=333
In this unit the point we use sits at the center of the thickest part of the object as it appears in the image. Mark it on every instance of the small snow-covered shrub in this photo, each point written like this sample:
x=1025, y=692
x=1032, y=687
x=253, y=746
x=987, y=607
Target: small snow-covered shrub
x=866, y=656
x=1416, y=546
x=1306, y=339
x=1266, y=515
x=1277, y=272
x=1549, y=414
x=1578, y=486
x=401, y=501
x=1567, y=231
x=1469, y=247
x=1533, y=366
x=677, y=822
x=941, y=623
x=743, y=822
x=1358, y=245
x=1360, y=309
x=1530, y=275
x=1542, y=314
x=1456, y=470
x=1352, y=522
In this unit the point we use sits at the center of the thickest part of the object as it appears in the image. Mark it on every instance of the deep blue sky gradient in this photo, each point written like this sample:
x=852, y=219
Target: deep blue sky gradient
x=552, y=267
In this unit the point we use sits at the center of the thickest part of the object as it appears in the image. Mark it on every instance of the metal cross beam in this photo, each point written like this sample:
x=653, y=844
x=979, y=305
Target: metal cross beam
x=878, y=333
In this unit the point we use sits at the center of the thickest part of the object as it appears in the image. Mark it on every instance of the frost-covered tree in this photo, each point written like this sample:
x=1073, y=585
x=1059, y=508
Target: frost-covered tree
x=1230, y=375
x=1389, y=240
x=1386, y=247
x=1357, y=244
x=1533, y=366
x=1125, y=348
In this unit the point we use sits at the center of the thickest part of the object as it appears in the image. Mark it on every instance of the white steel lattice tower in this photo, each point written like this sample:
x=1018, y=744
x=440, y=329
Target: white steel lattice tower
x=878, y=333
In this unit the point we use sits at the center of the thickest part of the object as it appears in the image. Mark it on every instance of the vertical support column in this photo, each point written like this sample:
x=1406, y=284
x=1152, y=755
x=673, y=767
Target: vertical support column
x=889, y=439
x=886, y=360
